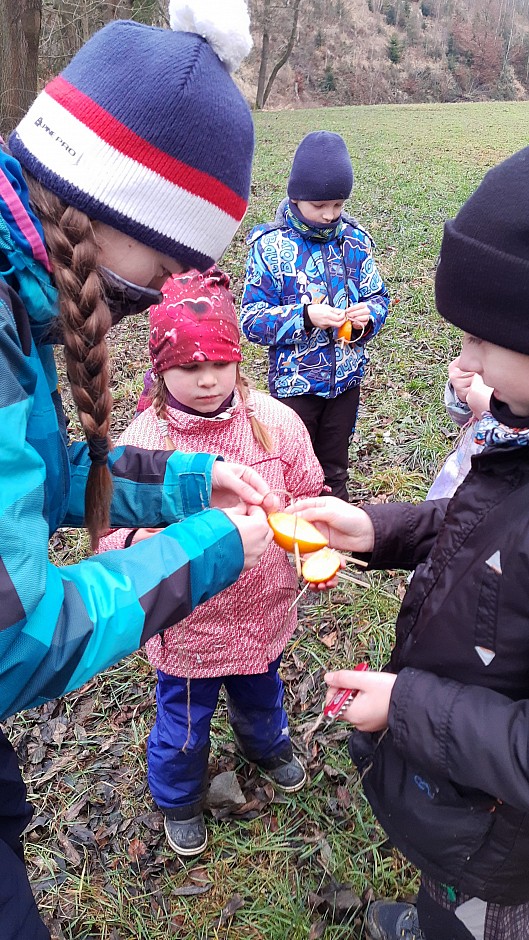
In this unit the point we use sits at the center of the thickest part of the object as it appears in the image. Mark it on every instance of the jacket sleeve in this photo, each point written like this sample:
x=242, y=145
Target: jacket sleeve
x=458, y=410
x=302, y=470
x=473, y=736
x=404, y=533
x=61, y=625
x=150, y=488
x=374, y=292
x=264, y=318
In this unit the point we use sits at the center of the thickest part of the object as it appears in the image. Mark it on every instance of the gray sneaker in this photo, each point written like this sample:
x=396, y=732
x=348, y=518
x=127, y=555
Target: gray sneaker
x=187, y=836
x=289, y=776
x=393, y=920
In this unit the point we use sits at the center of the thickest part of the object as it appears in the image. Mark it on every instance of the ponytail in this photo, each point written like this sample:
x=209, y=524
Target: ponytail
x=260, y=431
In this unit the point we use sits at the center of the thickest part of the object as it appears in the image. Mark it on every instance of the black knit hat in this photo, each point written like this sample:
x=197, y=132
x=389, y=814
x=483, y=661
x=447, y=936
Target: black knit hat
x=482, y=279
x=321, y=169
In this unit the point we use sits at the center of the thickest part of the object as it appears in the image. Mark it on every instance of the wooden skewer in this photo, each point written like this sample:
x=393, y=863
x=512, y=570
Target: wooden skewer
x=357, y=561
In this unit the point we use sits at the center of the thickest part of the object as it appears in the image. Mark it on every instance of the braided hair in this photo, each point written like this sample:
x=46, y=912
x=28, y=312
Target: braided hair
x=85, y=319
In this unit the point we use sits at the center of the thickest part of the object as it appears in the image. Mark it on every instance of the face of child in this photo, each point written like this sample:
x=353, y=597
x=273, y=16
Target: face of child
x=505, y=370
x=133, y=261
x=202, y=386
x=320, y=212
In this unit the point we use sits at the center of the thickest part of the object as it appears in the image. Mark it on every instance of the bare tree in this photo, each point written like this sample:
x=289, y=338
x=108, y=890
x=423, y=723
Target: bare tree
x=268, y=25
x=19, y=44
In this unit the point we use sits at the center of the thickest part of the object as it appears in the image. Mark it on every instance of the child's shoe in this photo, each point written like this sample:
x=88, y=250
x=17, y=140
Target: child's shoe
x=289, y=776
x=187, y=836
x=391, y=920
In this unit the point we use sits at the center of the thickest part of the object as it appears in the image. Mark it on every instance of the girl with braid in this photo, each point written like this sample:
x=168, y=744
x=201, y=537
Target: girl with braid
x=107, y=186
x=201, y=401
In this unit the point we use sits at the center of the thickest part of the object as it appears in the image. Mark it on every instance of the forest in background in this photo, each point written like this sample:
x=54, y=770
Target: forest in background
x=307, y=53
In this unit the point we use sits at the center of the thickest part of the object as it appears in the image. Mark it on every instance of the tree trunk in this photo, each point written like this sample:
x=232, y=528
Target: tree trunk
x=263, y=65
x=283, y=59
x=19, y=44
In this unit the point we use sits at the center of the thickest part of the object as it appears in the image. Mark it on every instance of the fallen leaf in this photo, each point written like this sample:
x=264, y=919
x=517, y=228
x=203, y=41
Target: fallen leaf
x=136, y=850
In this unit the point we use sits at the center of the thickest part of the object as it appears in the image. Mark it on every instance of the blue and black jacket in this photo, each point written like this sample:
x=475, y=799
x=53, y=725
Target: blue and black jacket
x=61, y=625
x=290, y=266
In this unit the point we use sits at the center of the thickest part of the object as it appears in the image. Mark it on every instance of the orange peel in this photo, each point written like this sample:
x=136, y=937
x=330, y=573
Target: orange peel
x=290, y=530
x=345, y=331
x=321, y=566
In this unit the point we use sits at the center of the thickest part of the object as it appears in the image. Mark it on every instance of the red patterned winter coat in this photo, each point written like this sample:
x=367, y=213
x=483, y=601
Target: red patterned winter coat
x=243, y=629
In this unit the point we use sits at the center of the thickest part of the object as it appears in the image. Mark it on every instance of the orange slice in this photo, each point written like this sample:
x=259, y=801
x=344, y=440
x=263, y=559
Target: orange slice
x=321, y=566
x=289, y=530
x=345, y=331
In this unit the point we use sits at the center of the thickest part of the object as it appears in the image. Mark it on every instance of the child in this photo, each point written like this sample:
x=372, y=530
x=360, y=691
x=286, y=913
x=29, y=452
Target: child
x=200, y=401
x=442, y=735
x=110, y=183
x=467, y=398
x=307, y=273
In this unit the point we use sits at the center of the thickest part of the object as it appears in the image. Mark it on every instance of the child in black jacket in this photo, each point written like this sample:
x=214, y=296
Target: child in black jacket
x=442, y=736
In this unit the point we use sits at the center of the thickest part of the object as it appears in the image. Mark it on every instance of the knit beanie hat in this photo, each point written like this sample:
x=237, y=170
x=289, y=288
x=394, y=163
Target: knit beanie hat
x=321, y=169
x=196, y=320
x=146, y=130
x=482, y=279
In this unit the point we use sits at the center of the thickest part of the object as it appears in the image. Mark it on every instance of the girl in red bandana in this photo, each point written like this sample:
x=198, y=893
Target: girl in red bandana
x=200, y=401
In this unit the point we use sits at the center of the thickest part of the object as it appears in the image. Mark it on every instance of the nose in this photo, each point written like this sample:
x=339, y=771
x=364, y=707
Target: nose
x=208, y=378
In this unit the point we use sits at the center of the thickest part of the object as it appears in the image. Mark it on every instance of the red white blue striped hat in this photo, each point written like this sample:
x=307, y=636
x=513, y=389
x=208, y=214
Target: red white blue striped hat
x=146, y=130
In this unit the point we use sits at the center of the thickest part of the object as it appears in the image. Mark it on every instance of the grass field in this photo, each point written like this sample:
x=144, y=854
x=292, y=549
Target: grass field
x=96, y=852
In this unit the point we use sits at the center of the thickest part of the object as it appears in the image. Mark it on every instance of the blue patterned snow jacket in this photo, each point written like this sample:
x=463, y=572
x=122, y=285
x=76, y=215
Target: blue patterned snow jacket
x=289, y=267
x=61, y=625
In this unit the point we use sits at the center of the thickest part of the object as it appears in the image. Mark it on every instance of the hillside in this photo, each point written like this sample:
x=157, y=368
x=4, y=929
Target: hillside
x=392, y=51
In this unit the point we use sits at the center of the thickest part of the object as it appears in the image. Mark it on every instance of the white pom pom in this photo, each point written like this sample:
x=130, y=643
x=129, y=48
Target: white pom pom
x=224, y=23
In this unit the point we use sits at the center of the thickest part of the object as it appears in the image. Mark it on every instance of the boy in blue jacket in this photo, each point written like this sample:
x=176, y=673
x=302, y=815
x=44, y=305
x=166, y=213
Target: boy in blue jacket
x=307, y=273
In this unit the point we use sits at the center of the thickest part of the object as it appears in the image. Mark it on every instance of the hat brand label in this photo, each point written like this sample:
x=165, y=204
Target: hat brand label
x=67, y=149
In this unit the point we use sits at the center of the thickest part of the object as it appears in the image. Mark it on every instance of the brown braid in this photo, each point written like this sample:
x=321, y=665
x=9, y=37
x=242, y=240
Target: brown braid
x=260, y=431
x=85, y=320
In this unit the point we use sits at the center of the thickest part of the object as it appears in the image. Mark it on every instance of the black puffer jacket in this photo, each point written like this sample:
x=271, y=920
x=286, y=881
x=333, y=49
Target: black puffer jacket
x=449, y=780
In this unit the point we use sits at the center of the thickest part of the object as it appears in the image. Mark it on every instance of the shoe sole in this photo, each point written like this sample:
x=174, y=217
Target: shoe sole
x=187, y=853
x=293, y=789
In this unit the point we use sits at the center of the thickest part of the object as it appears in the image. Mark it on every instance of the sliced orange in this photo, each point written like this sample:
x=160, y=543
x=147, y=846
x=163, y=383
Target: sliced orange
x=321, y=566
x=289, y=529
x=345, y=331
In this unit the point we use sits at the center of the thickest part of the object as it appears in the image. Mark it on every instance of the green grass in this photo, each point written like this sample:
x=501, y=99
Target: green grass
x=414, y=166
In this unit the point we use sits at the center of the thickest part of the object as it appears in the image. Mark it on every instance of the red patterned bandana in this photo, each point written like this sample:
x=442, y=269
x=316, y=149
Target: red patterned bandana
x=196, y=321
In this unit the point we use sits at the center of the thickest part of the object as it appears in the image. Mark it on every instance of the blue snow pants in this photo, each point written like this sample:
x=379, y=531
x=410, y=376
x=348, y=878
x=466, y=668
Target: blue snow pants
x=19, y=917
x=177, y=778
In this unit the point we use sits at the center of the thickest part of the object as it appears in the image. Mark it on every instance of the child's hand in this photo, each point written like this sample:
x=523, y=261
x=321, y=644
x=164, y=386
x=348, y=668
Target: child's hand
x=254, y=531
x=238, y=486
x=323, y=316
x=369, y=709
x=461, y=381
x=478, y=396
x=346, y=527
x=359, y=315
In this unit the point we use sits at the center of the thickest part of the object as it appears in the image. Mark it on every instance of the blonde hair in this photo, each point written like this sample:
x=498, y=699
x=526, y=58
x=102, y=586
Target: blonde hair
x=85, y=319
x=260, y=432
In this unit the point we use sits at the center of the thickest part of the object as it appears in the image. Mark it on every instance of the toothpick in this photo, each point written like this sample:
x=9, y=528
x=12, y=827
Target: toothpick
x=357, y=561
x=300, y=595
x=297, y=558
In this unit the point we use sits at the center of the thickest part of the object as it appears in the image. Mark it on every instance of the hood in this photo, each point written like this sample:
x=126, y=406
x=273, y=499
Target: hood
x=280, y=221
x=24, y=263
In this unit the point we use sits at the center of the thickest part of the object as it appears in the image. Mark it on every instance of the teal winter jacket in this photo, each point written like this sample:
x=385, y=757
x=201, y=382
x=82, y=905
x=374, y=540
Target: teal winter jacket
x=61, y=625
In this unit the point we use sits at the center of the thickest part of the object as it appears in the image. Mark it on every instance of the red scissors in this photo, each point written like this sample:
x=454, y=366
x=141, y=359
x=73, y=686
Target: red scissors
x=342, y=698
